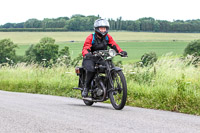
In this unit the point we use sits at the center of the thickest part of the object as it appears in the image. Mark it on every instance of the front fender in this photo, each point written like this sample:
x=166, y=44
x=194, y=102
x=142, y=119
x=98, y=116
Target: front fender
x=116, y=69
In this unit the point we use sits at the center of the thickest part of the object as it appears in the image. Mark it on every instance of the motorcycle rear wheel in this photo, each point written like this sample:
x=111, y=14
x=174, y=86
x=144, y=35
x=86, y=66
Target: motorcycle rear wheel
x=88, y=103
x=119, y=95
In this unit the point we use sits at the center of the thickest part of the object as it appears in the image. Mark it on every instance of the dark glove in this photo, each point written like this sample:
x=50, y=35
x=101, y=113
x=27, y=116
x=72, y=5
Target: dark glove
x=88, y=55
x=123, y=54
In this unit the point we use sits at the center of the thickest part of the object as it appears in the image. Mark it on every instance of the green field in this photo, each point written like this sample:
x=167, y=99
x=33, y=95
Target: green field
x=135, y=49
x=63, y=37
x=135, y=43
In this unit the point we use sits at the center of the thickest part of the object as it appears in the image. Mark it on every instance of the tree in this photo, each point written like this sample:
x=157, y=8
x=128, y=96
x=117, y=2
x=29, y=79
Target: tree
x=53, y=23
x=77, y=16
x=45, y=52
x=33, y=23
x=8, y=25
x=80, y=22
x=130, y=25
x=112, y=24
x=19, y=25
x=156, y=26
x=193, y=48
x=137, y=24
x=147, y=24
x=62, y=18
x=119, y=23
x=7, y=51
x=165, y=26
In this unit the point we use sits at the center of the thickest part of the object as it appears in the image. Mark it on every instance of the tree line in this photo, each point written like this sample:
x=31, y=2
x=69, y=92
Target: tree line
x=80, y=22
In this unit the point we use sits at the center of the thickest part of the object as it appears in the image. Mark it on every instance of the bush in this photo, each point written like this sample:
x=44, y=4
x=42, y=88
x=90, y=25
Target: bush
x=193, y=51
x=149, y=58
x=64, y=57
x=45, y=52
x=20, y=59
x=7, y=51
x=29, y=55
x=193, y=48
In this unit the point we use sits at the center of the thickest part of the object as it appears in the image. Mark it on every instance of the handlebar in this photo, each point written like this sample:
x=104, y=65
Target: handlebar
x=106, y=52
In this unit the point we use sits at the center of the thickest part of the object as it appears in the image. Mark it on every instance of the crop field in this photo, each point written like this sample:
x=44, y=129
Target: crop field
x=135, y=43
x=63, y=37
x=135, y=49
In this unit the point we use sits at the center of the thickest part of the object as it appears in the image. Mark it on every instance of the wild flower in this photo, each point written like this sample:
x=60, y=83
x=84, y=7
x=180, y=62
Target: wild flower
x=7, y=59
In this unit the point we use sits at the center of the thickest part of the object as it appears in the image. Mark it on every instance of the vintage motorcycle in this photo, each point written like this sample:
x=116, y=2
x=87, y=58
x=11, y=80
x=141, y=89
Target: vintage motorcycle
x=108, y=82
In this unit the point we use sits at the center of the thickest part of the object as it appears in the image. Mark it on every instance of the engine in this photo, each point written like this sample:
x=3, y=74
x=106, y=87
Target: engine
x=98, y=92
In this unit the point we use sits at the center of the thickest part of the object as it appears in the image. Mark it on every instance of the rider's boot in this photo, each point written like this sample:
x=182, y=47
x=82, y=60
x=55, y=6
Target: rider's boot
x=89, y=77
x=85, y=92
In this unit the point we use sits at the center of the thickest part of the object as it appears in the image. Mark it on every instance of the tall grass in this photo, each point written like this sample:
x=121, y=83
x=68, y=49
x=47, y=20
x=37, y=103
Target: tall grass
x=170, y=84
x=36, y=79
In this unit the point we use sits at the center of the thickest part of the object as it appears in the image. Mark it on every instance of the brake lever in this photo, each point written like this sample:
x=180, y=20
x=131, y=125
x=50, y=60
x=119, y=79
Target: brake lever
x=125, y=57
x=122, y=55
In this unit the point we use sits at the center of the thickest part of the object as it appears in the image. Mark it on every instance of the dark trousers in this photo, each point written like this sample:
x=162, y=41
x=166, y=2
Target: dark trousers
x=89, y=65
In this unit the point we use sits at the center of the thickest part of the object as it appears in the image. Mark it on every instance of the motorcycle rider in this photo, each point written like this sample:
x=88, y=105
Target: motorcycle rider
x=97, y=41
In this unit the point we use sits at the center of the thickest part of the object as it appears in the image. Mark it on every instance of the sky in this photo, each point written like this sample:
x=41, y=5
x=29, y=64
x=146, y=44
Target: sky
x=16, y=11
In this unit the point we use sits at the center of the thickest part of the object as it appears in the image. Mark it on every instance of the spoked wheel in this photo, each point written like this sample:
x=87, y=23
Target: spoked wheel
x=119, y=94
x=88, y=103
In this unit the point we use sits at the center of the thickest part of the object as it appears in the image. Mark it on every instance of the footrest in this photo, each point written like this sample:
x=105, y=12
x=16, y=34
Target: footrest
x=78, y=88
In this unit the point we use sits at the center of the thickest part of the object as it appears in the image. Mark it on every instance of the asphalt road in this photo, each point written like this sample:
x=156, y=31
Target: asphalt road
x=33, y=113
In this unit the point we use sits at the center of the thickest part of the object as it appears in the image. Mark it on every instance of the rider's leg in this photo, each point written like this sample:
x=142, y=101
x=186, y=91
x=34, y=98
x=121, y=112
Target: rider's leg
x=90, y=72
x=89, y=78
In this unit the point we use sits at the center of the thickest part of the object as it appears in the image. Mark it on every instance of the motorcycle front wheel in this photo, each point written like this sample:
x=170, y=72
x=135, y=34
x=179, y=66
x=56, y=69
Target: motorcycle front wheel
x=119, y=94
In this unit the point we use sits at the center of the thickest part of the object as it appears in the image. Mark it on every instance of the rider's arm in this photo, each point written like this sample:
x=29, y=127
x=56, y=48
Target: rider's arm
x=113, y=44
x=87, y=45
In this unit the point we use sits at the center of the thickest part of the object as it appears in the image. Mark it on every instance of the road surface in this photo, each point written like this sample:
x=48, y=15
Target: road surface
x=34, y=113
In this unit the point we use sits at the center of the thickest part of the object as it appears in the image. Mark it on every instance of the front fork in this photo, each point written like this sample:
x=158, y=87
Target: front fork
x=109, y=65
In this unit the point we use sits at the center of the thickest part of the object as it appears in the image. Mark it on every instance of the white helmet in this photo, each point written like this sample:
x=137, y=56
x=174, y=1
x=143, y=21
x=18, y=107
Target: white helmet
x=101, y=23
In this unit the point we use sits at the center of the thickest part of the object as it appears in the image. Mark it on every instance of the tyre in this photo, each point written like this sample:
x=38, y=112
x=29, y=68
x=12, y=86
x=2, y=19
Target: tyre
x=88, y=103
x=119, y=94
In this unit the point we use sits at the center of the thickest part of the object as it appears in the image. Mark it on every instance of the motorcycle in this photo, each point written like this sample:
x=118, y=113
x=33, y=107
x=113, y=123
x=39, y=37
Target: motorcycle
x=108, y=83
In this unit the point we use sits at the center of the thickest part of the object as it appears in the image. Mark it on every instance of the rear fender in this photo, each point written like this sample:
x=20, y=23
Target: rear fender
x=81, y=74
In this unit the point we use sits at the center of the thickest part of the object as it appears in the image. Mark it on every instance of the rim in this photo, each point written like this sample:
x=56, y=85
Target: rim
x=118, y=86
